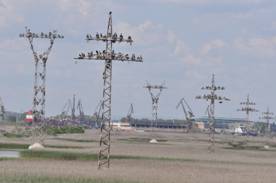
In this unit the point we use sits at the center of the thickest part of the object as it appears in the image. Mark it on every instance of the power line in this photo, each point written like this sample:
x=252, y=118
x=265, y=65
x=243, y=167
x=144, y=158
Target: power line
x=40, y=70
x=267, y=116
x=212, y=97
x=155, y=100
x=107, y=55
x=247, y=107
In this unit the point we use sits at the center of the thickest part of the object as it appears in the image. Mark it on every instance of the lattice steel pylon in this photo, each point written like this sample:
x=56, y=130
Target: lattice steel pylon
x=212, y=97
x=155, y=100
x=247, y=107
x=40, y=71
x=108, y=55
x=267, y=116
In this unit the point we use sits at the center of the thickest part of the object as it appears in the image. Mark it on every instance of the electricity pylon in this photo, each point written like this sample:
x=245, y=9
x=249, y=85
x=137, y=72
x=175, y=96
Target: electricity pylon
x=155, y=99
x=267, y=116
x=187, y=112
x=40, y=71
x=108, y=55
x=248, y=107
x=212, y=97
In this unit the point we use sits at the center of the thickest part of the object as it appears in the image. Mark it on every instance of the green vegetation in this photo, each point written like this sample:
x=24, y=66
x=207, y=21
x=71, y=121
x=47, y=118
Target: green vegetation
x=251, y=147
x=53, y=130
x=13, y=146
x=64, y=146
x=13, y=135
x=47, y=179
x=4, y=159
x=75, y=140
x=58, y=155
x=244, y=146
x=141, y=140
x=25, y=146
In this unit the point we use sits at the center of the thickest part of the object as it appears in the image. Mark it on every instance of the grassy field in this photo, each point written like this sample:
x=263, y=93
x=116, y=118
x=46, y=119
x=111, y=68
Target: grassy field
x=178, y=157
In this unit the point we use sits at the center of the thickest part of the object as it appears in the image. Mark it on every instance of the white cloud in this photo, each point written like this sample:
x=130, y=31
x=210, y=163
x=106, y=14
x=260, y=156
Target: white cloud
x=212, y=45
x=2, y=4
x=146, y=32
x=195, y=57
x=203, y=2
x=263, y=47
x=9, y=14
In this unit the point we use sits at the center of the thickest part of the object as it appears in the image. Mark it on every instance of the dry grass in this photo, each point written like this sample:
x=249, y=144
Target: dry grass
x=178, y=158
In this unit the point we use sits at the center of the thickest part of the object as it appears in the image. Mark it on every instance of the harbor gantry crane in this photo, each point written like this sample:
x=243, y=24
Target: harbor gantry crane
x=66, y=108
x=73, y=109
x=212, y=97
x=130, y=113
x=80, y=110
x=39, y=99
x=2, y=110
x=97, y=114
x=155, y=100
x=72, y=106
x=267, y=116
x=248, y=107
x=108, y=55
x=187, y=112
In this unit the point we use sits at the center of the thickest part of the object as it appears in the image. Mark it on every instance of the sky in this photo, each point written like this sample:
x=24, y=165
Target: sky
x=183, y=42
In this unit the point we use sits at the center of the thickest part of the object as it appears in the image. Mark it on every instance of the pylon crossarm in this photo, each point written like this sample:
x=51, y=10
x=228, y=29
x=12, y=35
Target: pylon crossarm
x=106, y=56
x=40, y=70
x=111, y=38
x=46, y=53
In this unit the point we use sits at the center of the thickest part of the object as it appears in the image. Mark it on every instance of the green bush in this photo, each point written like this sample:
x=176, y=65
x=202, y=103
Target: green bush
x=52, y=130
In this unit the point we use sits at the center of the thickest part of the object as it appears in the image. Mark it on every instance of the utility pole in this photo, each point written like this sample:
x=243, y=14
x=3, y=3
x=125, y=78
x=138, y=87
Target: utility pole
x=187, y=112
x=248, y=107
x=40, y=70
x=267, y=116
x=107, y=56
x=155, y=100
x=212, y=97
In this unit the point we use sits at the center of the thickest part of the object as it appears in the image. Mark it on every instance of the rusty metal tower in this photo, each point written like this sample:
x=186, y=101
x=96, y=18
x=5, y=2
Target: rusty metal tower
x=267, y=116
x=108, y=55
x=212, y=97
x=40, y=70
x=155, y=100
x=248, y=107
